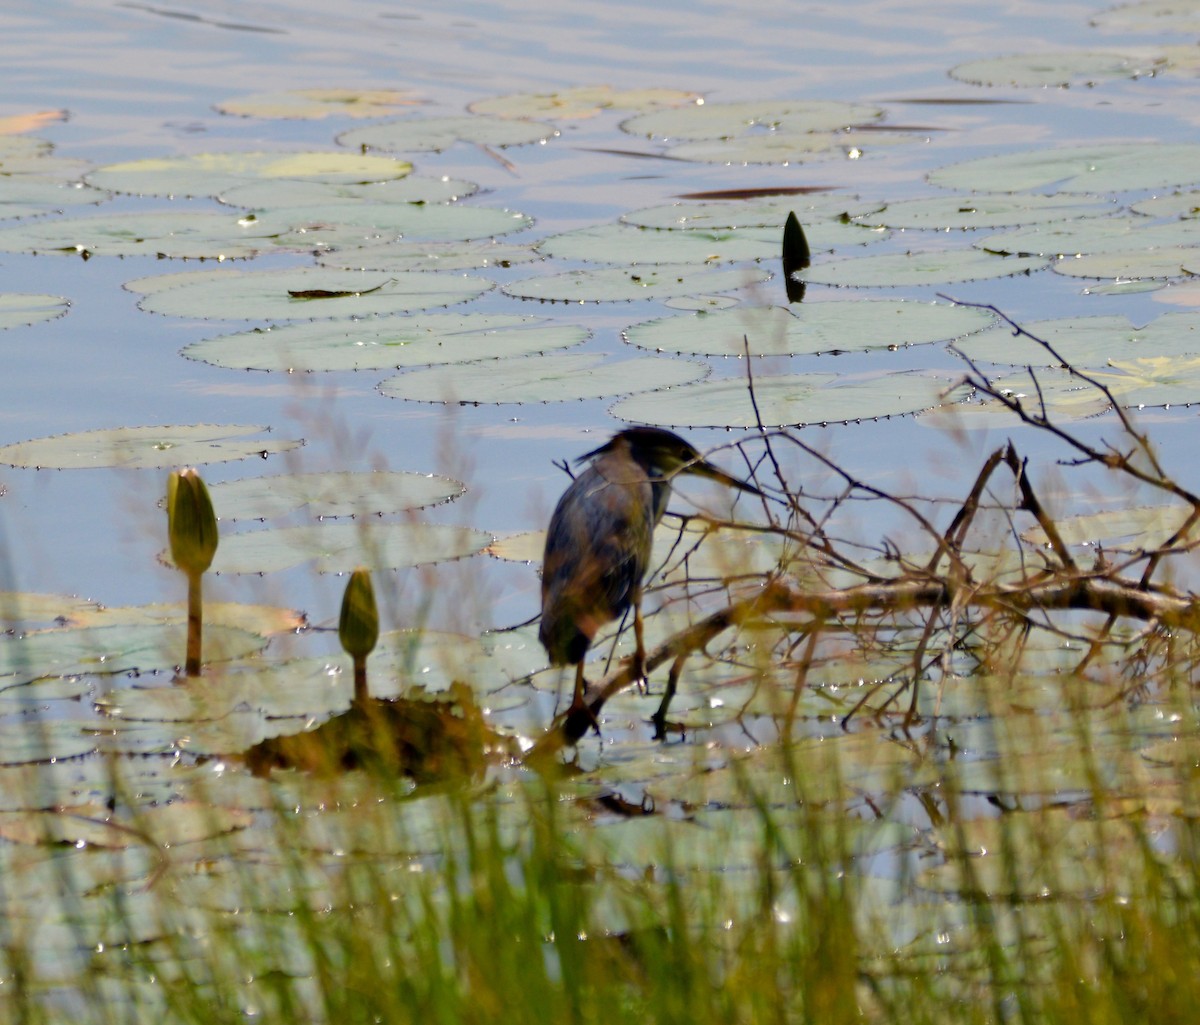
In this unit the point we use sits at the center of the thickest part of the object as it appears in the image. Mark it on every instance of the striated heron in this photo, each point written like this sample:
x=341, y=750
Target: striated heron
x=599, y=540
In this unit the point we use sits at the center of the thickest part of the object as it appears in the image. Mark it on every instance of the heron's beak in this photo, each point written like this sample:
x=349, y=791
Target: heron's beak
x=702, y=468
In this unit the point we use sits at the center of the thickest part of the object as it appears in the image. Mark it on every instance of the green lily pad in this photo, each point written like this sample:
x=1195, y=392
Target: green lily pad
x=763, y=212
x=1098, y=168
x=23, y=196
x=787, y=147
x=145, y=447
x=342, y=225
x=625, y=244
x=210, y=174
x=419, y=135
x=386, y=343
x=315, y=104
x=786, y=401
x=1051, y=69
x=720, y=121
x=579, y=102
x=339, y=547
x=1177, y=204
x=997, y=210
x=1149, y=16
x=1089, y=342
x=335, y=493
x=486, y=254
x=1141, y=528
x=178, y=234
x=306, y=293
x=892, y=270
x=1167, y=262
x=1129, y=235
x=19, y=309
x=413, y=188
x=809, y=328
x=616, y=284
x=553, y=378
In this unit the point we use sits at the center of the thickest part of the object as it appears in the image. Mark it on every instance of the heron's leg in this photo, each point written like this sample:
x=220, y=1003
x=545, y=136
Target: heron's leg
x=639, y=639
x=579, y=707
x=660, y=717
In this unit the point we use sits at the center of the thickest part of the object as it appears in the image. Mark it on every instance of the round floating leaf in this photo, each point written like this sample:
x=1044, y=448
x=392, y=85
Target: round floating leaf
x=1092, y=235
x=1050, y=69
x=1115, y=167
x=386, y=343
x=947, y=213
x=19, y=309
x=765, y=212
x=414, y=188
x=179, y=234
x=1142, y=528
x=625, y=244
x=554, y=378
x=1153, y=380
x=785, y=401
x=787, y=147
x=339, y=547
x=718, y=121
x=343, y=226
x=20, y=197
x=336, y=493
x=579, y=102
x=389, y=256
x=1087, y=342
x=1168, y=262
x=306, y=293
x=1177, y=204
x=314, y=104
x=1149, y=16
x=417, y=135
x=145, y=447
x=891, y=270
x=613, y=284
x=809, y=328
x=210, y=174
x=114, y=649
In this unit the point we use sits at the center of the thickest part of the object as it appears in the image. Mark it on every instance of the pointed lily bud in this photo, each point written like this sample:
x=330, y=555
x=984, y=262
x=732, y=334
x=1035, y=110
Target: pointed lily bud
x=358, y=628
x=191, y=522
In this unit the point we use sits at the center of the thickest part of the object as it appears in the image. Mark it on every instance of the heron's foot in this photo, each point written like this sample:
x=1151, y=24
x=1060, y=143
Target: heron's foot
x=579, y=718
x=664, y=728
x=641, y=678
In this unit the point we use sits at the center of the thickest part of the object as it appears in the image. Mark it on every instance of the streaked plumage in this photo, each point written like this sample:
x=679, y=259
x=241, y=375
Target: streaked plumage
x=600, y=536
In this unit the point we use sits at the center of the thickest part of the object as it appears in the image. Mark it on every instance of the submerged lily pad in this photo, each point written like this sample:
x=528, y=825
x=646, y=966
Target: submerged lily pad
x=579, y=102
x=616, y=284
x=1115, y=167
x=20, y=309
x=553, y=378
x=787, y=401
x=809, y=328
x=339, y=547
x=210, y=174
x=416, y=135
x=179, y=234
x=335, y=493
x=1051, y=69
x=145, y=447
x=386, y=343
x=891, y=270
x=314, y=104
x=306, y=293
x=995, y=210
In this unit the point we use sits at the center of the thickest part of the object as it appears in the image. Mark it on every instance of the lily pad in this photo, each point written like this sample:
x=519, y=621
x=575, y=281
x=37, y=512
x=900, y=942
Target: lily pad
x=996, y=210
x=1149, y=16
x=315, y=104
x=1167, y=262
x=1177, y=204
x=145, y=447
x=21, y=197
x=386, y=343
x=722, y=121
x=786, y=401
x=486, y=254
x=616, y=284
x=787, y=147
x=1088, y=342
x=413, y=188
x=178, y=234
x=553, y=378
x=1086, y=236
x=1099, y=168
x=306, y=293
x=336, y=493
x=18, y=309
x=348, y=225
x=625, y=244
x=1141, y=528
x=210, y=174
x=946, y=266
x=1051, y=69
x=579, y=102
x=418, y=135
x=809, y=328
x=765, y=212
x=339, y=547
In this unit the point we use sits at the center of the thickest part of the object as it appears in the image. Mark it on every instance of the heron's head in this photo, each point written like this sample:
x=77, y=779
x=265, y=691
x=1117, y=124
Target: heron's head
x=665, y=454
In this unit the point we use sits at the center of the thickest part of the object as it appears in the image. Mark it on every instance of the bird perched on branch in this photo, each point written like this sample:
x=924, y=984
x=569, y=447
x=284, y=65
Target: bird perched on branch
x=599, y=540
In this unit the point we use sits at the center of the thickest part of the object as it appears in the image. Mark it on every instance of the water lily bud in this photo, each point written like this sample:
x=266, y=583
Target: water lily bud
x=191, y=522
x=358, y=628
